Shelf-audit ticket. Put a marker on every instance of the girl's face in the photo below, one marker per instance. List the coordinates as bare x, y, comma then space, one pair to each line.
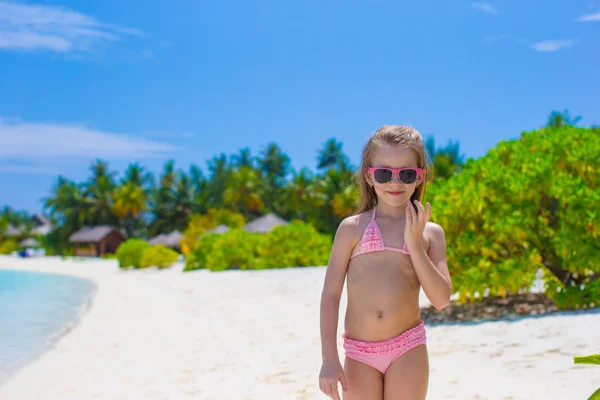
394, 193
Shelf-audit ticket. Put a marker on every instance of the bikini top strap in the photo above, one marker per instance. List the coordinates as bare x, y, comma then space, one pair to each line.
373, 216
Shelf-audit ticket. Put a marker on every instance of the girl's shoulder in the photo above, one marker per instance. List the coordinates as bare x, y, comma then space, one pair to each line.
434, 234
354, 225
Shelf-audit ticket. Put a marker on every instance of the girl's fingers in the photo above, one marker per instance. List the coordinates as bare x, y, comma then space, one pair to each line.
428, 214
413, 214
421, 210
334, 391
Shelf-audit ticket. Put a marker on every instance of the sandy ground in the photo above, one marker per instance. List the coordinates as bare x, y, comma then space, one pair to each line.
153, 334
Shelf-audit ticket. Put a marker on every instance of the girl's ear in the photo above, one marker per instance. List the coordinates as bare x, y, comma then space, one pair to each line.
422, 176
368, 177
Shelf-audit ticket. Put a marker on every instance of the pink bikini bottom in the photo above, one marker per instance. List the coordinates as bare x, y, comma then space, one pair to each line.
381, 354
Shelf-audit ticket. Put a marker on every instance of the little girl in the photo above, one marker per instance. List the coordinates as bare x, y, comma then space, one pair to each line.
387, 252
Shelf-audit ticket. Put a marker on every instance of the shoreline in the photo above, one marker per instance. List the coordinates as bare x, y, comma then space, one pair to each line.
163, 334
54, 336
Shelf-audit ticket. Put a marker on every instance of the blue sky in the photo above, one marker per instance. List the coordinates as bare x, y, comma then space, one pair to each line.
147, 81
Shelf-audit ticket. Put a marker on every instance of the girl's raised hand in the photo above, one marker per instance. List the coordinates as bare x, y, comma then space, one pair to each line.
415, 224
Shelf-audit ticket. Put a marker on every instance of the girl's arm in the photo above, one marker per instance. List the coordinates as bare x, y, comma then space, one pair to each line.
343, 243
431, 267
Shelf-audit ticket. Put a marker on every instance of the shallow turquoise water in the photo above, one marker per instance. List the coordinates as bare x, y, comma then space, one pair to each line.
35, 310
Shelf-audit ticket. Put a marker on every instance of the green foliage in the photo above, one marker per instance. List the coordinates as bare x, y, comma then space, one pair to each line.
7, 246
158, 256
292, 245
559, 119
594, 359
528, 204
200, 223
296, 244
235, 249
130, 253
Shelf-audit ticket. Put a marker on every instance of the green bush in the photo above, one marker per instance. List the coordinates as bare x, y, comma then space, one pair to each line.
294, 245
7, 246
528, 204
197, 258
593, 359
130, 253
235, 249
158, 256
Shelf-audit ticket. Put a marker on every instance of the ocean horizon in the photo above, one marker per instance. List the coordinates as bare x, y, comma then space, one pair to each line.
36, 309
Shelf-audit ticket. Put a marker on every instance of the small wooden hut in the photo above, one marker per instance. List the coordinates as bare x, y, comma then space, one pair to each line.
265, 223
94, 241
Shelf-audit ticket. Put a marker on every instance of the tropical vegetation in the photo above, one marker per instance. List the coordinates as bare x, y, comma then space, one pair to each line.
528, 206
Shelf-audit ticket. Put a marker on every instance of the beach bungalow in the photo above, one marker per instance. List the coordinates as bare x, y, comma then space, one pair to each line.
94, 241
42, 225
219, 229
265, 223
167, 239
12, 230
30, 243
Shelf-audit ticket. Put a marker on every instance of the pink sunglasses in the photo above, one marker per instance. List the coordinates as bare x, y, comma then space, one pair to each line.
404, 175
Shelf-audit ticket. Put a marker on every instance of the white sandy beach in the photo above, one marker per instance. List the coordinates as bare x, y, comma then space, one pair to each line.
153, 334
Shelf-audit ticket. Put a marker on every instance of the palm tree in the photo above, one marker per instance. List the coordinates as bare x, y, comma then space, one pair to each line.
243, 159
299, 193
344, 203
68, 205
98, 191
162, 201
558, 119
274, 165
129, 200
447, 160
219, 174
182, 200
243, 192
331, 155
138, 176
201, 187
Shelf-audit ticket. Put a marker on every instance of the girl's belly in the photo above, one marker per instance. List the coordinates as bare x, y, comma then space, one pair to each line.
383, 298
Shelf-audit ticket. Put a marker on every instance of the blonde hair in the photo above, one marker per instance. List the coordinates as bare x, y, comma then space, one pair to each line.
391, 135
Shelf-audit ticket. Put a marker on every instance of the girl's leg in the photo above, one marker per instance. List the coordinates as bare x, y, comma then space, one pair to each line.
407, 377
364, 381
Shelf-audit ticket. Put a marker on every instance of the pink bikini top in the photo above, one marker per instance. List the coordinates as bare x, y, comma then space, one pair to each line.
372, 240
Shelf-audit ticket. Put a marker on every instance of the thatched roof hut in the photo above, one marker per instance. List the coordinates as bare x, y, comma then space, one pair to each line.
30, 243
39, 220
11, 230
219, 229
265, 223
167, 239
97, 240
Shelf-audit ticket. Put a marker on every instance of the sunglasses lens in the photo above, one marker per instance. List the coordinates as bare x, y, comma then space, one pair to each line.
408, 175
382, 175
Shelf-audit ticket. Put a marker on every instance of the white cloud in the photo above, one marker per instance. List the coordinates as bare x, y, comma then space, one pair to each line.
25, 146
589, 17
485, 7
58, 29
32, 169
550, 46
